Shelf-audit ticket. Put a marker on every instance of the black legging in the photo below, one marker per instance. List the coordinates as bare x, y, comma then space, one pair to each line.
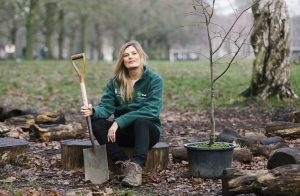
141, 134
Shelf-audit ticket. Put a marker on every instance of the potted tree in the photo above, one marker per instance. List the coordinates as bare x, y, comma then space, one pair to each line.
208, 159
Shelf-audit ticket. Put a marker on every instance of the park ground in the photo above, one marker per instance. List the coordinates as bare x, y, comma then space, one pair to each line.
49, 86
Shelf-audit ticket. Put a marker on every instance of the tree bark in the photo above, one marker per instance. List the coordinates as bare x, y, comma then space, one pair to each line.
284, 180
61, 34
270, 40
30, 28
49, 26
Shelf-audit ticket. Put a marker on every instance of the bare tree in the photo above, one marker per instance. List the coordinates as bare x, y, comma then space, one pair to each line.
217, 36
270, 40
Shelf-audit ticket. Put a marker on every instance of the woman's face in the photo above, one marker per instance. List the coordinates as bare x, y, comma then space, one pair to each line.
131, 58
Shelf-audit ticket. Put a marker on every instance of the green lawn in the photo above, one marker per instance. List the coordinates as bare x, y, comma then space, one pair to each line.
54, 86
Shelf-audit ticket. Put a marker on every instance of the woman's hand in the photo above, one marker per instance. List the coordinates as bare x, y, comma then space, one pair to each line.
111, 136
87, 110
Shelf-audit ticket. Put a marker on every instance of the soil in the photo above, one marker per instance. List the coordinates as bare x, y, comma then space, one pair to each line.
39, 171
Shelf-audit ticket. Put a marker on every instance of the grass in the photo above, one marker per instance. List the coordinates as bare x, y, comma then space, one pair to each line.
54, 86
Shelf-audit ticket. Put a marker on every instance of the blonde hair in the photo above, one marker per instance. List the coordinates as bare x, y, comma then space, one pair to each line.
121, 73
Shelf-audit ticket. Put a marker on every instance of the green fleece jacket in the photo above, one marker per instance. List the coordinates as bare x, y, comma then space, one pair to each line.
147, 102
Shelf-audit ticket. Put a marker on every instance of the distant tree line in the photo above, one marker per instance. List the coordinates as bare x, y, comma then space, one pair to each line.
59, 28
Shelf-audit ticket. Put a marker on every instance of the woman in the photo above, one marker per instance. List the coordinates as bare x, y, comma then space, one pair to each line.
134, 97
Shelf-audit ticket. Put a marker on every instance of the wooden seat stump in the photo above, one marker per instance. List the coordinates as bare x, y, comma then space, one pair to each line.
72, 155
12, 147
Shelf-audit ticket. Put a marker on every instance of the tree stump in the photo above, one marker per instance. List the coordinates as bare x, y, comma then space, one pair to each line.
11, 148
16, 146
72, 155
284, 156
157, 159
283, 180
283, 129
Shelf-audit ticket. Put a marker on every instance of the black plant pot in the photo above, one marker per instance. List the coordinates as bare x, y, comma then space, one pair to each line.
209, 162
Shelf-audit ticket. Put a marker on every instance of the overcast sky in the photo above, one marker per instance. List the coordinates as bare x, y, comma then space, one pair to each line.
224, 6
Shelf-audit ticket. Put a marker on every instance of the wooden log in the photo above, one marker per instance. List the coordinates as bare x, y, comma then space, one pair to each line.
72, 155
50, 118
179, 153
283, 129
230, 135
157, 158
283, 180
271, 140
13, 145
24, 121
243, 155
10, 148
284, 156
57, 131
265, 150
287, 115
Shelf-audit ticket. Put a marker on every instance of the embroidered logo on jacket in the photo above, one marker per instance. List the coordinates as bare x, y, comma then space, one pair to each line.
140, 94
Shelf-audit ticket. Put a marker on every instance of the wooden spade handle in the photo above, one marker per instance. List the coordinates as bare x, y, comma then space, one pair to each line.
77, 56
88, 119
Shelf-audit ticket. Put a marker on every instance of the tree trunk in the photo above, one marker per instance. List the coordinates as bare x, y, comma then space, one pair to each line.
72, 40
30, 29
83, 27
49, 25
98, 42
284, 180
270, 40
61, 34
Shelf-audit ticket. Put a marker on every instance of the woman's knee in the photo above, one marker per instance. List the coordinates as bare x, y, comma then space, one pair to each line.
141, 122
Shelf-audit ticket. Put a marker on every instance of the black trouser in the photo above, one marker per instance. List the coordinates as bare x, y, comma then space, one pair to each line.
142, 134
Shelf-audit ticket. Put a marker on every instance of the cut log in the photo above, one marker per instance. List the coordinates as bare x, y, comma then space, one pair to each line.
287, 115
271, 140
284, 156
230, 136
50, 118
57, 132
179, 154
283, 180
157, 158
283, 129
6, 113
243, 155
265, 150
10, 148
72, 155
24, 121
13, 145
239, 154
